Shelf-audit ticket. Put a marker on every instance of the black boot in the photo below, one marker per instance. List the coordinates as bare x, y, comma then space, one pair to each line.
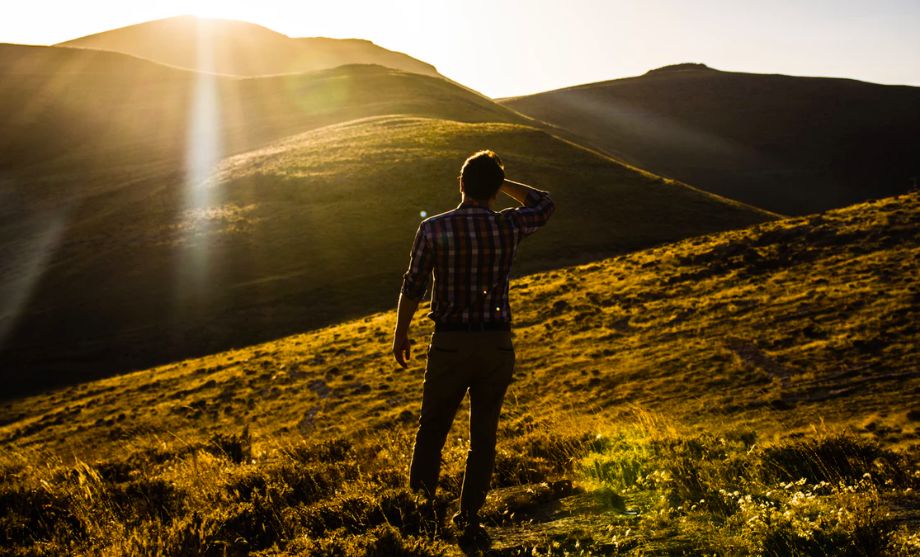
470, 532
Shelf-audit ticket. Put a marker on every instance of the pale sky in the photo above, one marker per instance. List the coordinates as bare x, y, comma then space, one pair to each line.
513, 47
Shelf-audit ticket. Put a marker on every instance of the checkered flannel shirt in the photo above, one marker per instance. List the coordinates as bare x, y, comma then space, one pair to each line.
470, 251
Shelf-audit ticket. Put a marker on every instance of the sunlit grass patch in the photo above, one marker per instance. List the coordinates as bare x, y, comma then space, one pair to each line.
648, 482
830, 494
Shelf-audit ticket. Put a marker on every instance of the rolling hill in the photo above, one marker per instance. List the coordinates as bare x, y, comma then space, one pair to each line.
753, 390
302, 233
152, 213
242, 49
74, 108
97, 145
793, 145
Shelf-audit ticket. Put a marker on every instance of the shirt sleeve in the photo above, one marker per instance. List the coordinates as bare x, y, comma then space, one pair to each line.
421, 260
538, 208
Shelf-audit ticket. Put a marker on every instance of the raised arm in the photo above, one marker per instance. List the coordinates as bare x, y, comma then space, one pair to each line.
536, 210
517, 190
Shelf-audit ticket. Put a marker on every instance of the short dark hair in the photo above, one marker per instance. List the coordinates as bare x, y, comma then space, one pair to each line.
482, 175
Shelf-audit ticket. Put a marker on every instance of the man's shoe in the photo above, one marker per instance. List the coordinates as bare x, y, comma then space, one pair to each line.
470, 532
429, 513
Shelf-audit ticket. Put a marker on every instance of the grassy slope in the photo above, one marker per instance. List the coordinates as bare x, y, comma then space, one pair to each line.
789, 144
86, 124
84, 170
316, 228
87, 111
96, 198
240, 48
332, 52
719, 370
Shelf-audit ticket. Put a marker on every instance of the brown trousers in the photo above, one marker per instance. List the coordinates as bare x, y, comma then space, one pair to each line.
478, 362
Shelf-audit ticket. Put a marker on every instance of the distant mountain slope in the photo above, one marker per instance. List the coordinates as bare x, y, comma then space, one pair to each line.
241, 48
76, 111
57, 102
789, 144
305, 232
332, 52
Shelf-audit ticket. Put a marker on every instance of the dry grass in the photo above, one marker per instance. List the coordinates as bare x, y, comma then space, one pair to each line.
747, 392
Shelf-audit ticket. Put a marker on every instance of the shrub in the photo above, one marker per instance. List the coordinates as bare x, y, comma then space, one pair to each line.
147, 498
238, 448
380, 541
37, 515
327, 451
228, 530
831, 459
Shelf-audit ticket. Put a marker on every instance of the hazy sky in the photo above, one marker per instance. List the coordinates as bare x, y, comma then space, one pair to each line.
510, 47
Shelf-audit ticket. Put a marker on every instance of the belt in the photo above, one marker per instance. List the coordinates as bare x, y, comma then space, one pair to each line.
472, 327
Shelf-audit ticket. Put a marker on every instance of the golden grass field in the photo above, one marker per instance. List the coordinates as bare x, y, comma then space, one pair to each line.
746, 392
201, 256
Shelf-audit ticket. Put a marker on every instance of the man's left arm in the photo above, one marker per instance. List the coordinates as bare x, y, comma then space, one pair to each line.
415, 282
405, 311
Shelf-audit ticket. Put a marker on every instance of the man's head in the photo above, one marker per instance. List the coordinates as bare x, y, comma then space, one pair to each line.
482, 175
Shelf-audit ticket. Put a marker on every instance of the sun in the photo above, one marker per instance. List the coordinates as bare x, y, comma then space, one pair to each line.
207, 9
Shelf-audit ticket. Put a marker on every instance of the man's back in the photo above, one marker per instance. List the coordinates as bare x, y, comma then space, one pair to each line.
470, 251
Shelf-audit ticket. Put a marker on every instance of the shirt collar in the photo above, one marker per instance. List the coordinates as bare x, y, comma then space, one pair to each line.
470, 203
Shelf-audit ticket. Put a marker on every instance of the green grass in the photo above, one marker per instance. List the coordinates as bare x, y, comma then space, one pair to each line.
732, 493
747, 392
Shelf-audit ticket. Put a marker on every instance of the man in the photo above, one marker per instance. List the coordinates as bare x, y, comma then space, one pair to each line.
469, 250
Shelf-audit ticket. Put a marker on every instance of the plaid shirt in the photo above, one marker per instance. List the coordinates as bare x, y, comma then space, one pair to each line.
470, 250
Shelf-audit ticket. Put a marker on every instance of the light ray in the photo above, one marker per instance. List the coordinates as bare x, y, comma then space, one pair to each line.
25, 266
203, 154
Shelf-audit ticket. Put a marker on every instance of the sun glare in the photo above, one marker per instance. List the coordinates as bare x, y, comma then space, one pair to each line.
208, 9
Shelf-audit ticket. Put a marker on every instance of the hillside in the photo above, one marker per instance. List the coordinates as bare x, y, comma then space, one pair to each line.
302, 233
101, 151
85, 111
793, 145
240, 48
752, 391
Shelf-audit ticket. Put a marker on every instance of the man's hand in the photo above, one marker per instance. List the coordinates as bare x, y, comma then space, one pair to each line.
407, 307
401, 348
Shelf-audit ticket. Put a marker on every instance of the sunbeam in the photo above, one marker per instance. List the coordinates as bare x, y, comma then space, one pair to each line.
203, 148
21, 273
203, 153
